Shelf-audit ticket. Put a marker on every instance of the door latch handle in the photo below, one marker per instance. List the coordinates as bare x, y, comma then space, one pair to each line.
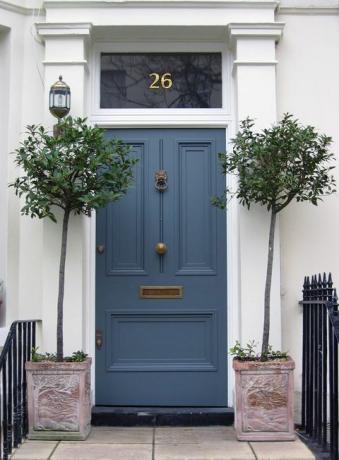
101, 248
98, 339
161, 248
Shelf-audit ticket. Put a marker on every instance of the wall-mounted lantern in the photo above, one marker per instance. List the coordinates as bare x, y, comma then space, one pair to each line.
59, 100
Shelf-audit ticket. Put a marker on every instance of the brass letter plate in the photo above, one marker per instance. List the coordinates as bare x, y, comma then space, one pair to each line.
161, 292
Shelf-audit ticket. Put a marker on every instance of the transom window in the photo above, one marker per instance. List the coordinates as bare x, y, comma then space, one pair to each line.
154, 80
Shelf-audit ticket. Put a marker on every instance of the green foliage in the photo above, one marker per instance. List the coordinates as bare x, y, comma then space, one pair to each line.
276, 165
78, 170
77, 356
248, 352
273, 354
38, 357
244, 353
273, 167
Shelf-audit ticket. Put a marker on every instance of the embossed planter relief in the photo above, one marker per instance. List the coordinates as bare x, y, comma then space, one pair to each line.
264, 400
59, 405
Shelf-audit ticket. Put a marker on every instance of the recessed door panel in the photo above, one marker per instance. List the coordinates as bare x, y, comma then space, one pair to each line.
161, 283
125, 224
161, 341
196, 236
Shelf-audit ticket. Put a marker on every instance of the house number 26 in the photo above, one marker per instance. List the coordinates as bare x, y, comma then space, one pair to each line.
161, 81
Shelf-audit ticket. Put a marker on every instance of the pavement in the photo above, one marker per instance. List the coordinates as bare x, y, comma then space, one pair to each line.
163, 443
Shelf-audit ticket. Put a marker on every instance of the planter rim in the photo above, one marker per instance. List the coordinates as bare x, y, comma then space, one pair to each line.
50, 365
275, 364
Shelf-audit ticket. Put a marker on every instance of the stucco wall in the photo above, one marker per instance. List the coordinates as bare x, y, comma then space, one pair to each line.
307, 79
21, 99
307, 84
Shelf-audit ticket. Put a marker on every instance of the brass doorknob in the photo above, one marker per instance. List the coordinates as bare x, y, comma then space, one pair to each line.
160, 248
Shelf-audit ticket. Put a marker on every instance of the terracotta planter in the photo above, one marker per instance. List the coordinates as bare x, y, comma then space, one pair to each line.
59, 402
264, 400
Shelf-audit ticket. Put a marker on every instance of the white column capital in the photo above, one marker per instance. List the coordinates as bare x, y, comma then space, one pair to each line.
255, 30
65, 43
254, 44
47, 30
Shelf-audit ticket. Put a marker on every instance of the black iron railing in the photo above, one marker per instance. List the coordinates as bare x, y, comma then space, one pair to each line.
13, 403
320, 365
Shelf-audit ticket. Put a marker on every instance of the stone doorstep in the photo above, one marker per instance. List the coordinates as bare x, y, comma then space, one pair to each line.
164, 443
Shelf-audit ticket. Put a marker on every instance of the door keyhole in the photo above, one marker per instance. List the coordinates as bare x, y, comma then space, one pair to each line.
101, 248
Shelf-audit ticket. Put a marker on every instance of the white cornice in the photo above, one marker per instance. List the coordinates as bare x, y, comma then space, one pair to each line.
64, 29
271, 30
19, 9
330, 11
267, 4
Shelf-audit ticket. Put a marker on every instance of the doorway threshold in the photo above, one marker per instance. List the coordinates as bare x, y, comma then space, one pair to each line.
162, 416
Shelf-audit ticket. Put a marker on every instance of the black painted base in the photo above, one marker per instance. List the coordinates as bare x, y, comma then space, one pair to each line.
319, 452
162, 416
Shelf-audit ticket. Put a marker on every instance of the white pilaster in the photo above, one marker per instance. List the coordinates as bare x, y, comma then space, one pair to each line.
255, 85
66, 55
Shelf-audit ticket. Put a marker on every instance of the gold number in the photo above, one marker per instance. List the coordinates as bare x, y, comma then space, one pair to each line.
156, 78
165, 80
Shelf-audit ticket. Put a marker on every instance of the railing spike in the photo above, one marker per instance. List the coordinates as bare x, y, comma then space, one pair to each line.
330, 282
314, 281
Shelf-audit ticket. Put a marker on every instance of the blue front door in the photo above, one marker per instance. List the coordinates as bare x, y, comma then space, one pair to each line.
162, 317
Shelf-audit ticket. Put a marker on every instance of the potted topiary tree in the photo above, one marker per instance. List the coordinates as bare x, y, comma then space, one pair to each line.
273, 167
76, 171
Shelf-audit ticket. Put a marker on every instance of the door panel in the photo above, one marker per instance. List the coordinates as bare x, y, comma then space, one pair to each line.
196, 175
162, 351
187, 341
125, 249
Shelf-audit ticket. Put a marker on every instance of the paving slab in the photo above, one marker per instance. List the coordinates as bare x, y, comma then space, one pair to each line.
225, 450
82, 451
34, 450
170, 443
294, 450
120, 435
196, 435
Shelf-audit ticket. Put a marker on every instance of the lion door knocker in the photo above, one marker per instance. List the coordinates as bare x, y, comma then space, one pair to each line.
161, 180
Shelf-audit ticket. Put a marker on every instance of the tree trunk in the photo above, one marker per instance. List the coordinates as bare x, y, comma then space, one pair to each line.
266, 332
60, 327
